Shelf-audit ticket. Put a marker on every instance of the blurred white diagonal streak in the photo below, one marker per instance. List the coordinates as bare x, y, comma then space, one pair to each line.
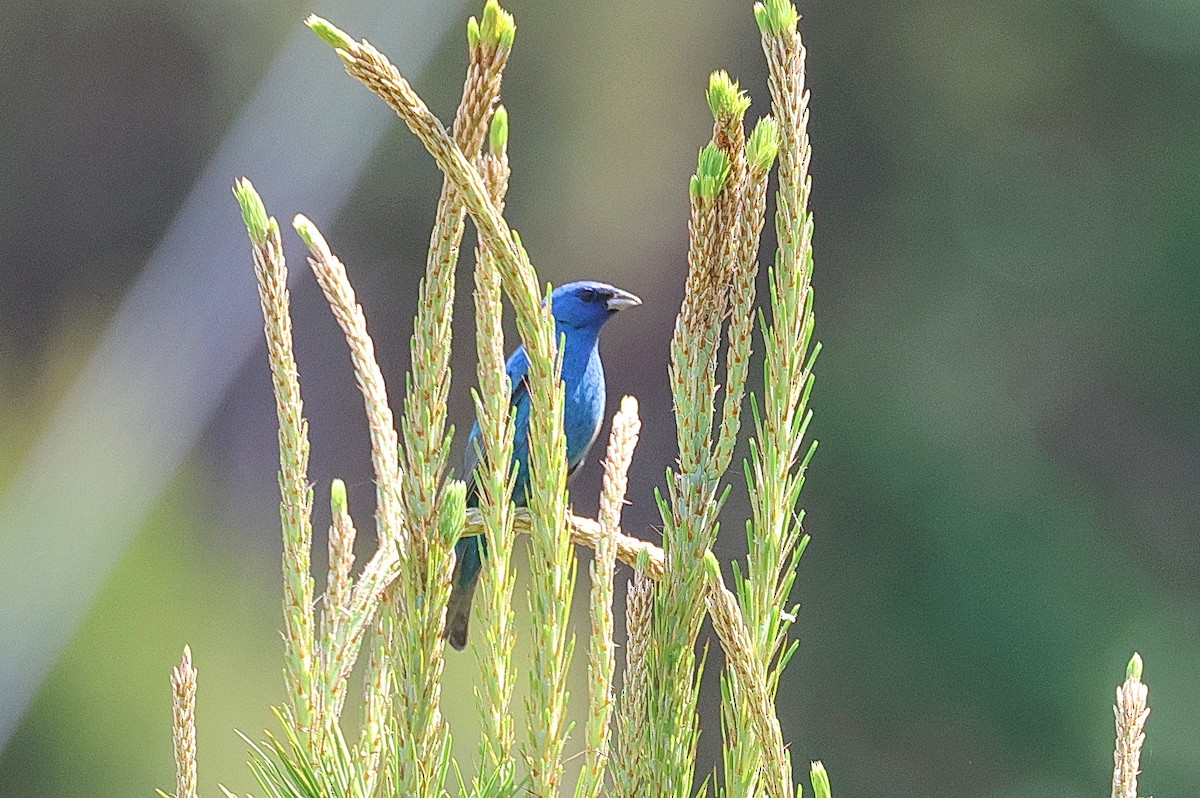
179, 337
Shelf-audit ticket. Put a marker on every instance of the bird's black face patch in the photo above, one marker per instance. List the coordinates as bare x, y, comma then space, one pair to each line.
588, 304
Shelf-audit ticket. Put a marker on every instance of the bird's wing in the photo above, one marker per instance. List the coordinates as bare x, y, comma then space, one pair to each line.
517, 369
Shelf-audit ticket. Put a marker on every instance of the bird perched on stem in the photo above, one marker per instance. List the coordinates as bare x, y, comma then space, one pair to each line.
580, 311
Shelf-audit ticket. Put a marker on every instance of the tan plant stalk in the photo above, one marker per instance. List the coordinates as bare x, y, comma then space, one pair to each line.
749, 222
408, 645
424, 422
689, 519
366, 64
338, 585
778, 459
338, 593
343, 643
339, 293
296, 493
751, 684
422, 592
743, 755
1131, 711
631, 771
602, 660
183, 706
377, 705
493, 486
392, 536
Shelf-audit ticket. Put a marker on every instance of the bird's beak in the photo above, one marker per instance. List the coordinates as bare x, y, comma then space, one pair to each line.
621, 300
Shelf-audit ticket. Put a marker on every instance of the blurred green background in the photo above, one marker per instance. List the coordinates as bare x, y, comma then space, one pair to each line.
1005, 501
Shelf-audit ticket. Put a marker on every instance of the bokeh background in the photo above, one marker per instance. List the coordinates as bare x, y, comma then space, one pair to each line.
1005, 502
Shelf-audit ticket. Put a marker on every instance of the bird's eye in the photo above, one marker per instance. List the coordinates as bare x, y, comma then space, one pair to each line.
588, 295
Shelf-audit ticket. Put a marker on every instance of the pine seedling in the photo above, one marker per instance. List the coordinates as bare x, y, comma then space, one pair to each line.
392, 556
743, 752
728, 104
552, 575
779, 458
426, 445
396, 606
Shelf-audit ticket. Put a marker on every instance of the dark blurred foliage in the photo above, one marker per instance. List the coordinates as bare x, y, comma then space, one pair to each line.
1005, 499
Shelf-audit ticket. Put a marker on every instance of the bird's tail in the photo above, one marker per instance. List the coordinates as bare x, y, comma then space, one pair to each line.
465, 579
458, 613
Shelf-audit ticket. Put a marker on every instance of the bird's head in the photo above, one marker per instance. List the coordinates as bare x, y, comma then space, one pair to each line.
589, 304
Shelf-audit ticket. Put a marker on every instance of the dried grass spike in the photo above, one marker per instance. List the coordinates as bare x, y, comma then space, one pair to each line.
183, 706
1131, 711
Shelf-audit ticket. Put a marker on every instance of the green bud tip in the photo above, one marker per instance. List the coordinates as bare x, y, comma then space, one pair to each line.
498, 133
643, 560
254, 213
714, 567
333, 35
496, 29
1134, 669
712, 170
453, 512
776, 17
820, 781
725, 98
337, 497
763, 146
311, 235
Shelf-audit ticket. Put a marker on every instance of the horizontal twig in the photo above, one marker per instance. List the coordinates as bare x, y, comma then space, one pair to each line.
635, 552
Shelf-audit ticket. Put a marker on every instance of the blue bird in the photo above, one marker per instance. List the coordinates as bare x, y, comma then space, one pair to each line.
580, 310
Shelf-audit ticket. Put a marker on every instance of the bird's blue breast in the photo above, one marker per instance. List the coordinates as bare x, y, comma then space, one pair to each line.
583, 390
583, 406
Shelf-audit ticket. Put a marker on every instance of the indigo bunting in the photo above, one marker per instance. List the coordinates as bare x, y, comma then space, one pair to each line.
580, 310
